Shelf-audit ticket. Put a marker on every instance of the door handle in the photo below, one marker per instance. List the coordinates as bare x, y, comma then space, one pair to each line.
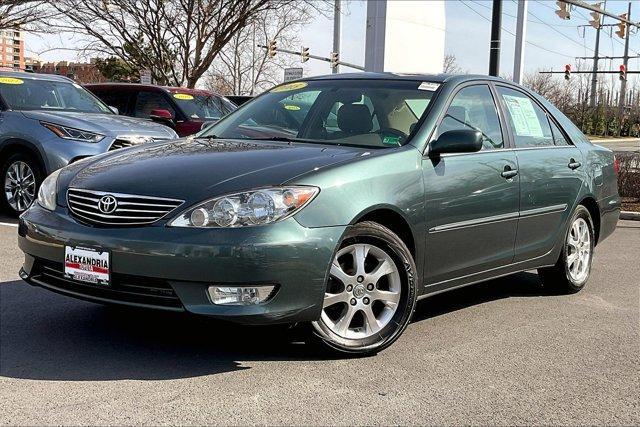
509, 173
573, 164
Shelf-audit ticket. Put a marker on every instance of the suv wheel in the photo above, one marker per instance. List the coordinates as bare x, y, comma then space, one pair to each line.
371, 291
21, 179
572, 270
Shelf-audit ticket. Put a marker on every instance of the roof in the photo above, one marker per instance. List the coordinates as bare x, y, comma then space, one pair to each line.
171, 89
35, 76
436, 78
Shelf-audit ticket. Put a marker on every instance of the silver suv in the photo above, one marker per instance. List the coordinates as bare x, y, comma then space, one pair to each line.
49, 121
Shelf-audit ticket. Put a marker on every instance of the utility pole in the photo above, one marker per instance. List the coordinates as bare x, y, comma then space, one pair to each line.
623, 83
594, 77
494, 51
336, 30
521, 32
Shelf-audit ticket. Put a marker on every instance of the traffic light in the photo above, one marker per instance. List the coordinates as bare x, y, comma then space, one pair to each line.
595, 22
272, 49
304, 53
623, 72
622, 27
567, 71
564, 11
334, 59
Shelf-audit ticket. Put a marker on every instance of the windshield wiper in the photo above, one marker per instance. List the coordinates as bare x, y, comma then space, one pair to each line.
278, 139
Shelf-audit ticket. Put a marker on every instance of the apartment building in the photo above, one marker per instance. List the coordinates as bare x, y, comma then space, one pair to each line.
11, 49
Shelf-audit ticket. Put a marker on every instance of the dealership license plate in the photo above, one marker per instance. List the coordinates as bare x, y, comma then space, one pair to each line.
87, 265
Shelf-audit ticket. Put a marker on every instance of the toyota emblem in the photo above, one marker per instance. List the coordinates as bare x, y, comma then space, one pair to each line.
107, 204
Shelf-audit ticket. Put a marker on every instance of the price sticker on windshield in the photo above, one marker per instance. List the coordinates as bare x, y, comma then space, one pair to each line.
183, 96
11, 81
429, 86
289, 86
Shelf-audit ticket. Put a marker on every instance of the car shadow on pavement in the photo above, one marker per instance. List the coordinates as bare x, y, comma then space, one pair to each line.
46, 336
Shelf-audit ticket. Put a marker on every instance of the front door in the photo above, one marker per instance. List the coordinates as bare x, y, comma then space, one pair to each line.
550, 170
471, 198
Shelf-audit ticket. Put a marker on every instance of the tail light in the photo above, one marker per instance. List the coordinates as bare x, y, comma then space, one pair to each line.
616, 165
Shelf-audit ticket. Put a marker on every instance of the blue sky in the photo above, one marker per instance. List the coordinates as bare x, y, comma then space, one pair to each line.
553, 42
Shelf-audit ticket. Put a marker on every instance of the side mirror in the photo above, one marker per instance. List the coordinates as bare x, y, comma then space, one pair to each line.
456, 141
114, 109
162, 116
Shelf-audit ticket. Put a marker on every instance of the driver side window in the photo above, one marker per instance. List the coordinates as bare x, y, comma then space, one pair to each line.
474, 108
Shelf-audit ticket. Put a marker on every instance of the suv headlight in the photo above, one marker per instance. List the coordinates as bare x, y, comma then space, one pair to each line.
48, 192
65, 132
249, 208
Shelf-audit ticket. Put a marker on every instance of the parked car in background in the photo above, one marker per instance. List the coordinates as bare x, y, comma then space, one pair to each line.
49, 121
239, 99
185, 110
390, 189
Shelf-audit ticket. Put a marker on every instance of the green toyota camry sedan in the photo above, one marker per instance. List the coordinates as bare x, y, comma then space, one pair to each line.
333, 201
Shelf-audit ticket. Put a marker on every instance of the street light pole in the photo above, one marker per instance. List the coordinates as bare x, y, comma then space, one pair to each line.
494, 52
521, 32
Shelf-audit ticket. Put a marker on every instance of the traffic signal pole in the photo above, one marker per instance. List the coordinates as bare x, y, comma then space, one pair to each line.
336, 31
623, 82
594, 76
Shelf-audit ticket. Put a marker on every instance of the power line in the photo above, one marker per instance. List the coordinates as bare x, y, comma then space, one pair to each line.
559, 32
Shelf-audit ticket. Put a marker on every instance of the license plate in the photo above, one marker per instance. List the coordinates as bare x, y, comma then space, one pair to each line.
87, 265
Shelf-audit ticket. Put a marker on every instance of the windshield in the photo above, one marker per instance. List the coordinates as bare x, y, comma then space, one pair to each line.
31, 94
203, 106
370, 113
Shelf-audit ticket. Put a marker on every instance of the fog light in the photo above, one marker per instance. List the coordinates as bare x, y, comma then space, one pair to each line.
236, 295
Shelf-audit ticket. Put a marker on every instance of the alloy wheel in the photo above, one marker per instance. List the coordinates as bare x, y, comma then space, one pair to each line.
363, 292
20, 186
578, 251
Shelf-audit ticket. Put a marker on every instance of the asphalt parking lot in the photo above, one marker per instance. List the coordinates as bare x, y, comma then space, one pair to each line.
500, 352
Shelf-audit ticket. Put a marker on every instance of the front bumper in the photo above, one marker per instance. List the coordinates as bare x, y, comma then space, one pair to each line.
175, 266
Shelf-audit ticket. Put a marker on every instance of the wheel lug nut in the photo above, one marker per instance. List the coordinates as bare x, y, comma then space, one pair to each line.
353, 301
360, 279
349, 288
370, 286
365, 300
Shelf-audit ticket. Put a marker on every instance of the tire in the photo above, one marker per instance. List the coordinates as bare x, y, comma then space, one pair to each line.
369, 304
571, 272
27, 169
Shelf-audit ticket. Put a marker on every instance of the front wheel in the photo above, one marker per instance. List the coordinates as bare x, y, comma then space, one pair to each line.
572, 270
21, 179
370, 293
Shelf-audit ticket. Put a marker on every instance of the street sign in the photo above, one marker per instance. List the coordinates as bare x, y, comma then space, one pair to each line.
145, 77
292, 74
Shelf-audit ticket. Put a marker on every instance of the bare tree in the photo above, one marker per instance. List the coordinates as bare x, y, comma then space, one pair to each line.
450, 64
15, 14
241, 67
177, 40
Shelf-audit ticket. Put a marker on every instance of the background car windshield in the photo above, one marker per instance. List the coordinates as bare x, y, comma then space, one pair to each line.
30, 94
202, 106
371, 113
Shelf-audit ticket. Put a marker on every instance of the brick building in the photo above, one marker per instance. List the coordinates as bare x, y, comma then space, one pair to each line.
82, 72
11, 49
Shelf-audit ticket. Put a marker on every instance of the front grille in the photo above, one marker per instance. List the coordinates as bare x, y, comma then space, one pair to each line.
129, 209
123, 288
129, 141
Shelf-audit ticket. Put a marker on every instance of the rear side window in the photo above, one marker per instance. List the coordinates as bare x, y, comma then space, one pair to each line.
558, 137
529, 123
474, 108
115, 98
149, 101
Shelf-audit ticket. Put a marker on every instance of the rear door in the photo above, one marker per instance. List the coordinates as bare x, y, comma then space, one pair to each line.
550, 170
471, 198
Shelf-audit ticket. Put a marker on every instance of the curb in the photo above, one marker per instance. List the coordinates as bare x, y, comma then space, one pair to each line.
633, 216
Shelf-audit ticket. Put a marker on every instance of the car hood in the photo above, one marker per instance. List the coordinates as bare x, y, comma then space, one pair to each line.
195, 169
105, 124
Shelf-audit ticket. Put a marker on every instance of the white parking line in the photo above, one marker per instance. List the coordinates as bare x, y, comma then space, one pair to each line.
8, 224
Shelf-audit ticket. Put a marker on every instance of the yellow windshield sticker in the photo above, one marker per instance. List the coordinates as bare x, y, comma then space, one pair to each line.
183, 96
10, 81
289, 86
292, 107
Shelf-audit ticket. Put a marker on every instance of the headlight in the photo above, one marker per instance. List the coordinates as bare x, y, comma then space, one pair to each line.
73, 134
257, 207
48, 191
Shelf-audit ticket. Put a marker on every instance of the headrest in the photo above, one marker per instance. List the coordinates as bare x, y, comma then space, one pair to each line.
355, 118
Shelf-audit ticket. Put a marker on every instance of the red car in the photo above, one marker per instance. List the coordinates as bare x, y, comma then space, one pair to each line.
185, 110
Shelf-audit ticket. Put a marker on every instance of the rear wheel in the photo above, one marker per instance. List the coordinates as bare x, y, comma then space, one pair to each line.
572, 270
371, 292
21, 179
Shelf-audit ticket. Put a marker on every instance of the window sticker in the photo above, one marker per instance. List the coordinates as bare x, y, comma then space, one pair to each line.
391, 140
290, 86
429, 86
10, 81
183, 96
292, 107
525, 119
